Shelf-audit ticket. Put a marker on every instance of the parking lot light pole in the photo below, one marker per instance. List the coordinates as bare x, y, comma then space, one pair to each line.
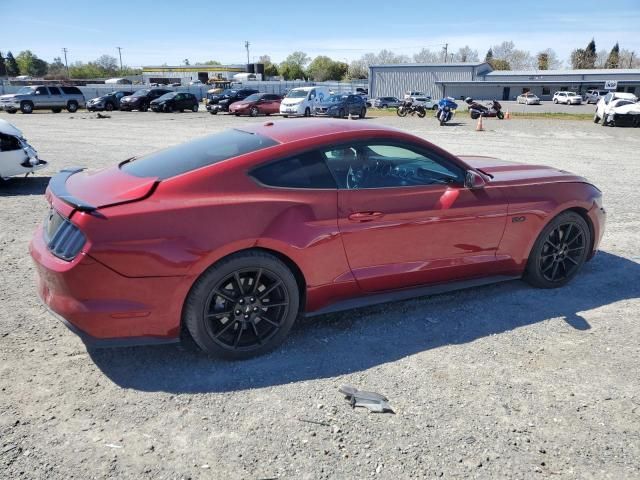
65, 61
120, 54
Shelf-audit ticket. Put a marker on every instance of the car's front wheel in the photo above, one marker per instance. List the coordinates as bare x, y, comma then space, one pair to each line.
242, 306
26, 107
254, 111
559, 252
596, 118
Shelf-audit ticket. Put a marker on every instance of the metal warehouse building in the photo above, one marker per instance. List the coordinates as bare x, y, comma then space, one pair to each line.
170, 74
478, 80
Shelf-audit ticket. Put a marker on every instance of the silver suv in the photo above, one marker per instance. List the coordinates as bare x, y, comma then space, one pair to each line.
40, 97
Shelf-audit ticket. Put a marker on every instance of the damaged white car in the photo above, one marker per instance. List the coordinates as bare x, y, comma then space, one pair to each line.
622, 113
17, 157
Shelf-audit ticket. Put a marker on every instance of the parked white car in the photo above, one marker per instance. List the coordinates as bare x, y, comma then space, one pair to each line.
528, 99
426, 101
414, 93
605, 105
622, 112
569, 98
17, 157
303, 100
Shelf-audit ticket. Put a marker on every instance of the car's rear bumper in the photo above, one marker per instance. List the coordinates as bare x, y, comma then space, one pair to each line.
104, 307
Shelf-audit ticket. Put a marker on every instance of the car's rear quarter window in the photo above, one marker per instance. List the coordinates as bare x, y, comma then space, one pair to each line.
196, 154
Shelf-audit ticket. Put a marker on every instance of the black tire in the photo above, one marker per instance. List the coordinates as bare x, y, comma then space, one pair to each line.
500, 115
341, 113
435, 107
363, 113
384, 105
194, 108
213, 112
109, 107
474, 115
422, 113
555, 100
56, 110
285, 116
596, 118
144, 107
307, 112
26, 107
566, 237
168, 108
229, 322
401, 111
253, 112
72, 106
11, 112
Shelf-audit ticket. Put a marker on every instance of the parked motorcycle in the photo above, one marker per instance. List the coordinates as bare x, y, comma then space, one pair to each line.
491, 109
446, 110
409, 108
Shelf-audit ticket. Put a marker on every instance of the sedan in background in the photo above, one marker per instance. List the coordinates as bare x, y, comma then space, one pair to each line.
568, 98
257, 104
528, 99
233, 236
342, 105
387, 102
172, 101
141, 99
108, 102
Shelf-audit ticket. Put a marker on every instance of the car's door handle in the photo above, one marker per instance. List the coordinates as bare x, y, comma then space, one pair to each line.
365, 216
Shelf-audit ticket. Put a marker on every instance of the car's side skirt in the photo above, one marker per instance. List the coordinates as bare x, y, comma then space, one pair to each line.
406, 294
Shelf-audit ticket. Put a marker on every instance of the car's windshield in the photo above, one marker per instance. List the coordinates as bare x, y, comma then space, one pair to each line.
297, 93
26, 90
167, 96
228, 92
141, 93
335, 98
253, 98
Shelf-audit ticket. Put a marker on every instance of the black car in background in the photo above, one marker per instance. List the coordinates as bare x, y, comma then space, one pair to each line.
341, 105
141, 99
108, 102
172, 101
220, 103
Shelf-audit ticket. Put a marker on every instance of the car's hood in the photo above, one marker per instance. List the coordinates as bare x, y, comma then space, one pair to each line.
106, 187
628, 109
331, 104
99, 99
503, 171
292, 101
9, 96
9, 129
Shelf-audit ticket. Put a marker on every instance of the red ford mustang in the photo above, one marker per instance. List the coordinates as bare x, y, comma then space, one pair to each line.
234, 235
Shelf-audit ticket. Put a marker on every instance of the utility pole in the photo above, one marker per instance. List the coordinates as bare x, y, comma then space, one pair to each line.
446, 47
246, 45
631, 59
120, 54
65, 61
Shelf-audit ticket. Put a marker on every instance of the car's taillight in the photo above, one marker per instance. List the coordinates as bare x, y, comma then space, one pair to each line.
63, 238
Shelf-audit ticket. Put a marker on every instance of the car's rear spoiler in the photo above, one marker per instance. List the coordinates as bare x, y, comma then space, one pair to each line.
58, 186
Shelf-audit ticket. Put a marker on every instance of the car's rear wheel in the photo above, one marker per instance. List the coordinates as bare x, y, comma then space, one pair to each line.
242, 306
109, 106
363, 113
26, 107
307, 112
559, 252
72, 106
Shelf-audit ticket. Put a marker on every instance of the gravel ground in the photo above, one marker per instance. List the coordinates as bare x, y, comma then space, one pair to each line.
503, 381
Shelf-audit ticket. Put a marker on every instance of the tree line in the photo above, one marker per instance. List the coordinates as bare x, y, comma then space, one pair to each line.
28, 63
298, 65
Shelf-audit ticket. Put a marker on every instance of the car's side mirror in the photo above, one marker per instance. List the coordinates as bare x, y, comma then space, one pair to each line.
474, 181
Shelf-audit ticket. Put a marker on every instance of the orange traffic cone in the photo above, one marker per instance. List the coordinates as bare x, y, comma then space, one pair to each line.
479, 127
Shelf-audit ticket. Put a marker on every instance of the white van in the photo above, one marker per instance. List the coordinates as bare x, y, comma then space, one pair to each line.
302, 100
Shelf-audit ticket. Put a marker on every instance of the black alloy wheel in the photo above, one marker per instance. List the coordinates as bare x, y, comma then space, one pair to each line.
243, 306
559, 252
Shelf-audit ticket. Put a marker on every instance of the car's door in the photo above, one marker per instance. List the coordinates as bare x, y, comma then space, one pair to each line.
41, 98
57, 101
407, 219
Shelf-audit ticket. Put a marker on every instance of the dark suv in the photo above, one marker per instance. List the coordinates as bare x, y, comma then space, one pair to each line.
141, 99
108, 102
222, 102
175, 101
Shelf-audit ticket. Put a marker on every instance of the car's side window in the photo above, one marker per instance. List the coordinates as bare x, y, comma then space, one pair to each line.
41, 91
54, 90
387, 165
306, 170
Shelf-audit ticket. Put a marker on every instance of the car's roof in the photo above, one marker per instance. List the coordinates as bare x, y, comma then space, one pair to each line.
285, 131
